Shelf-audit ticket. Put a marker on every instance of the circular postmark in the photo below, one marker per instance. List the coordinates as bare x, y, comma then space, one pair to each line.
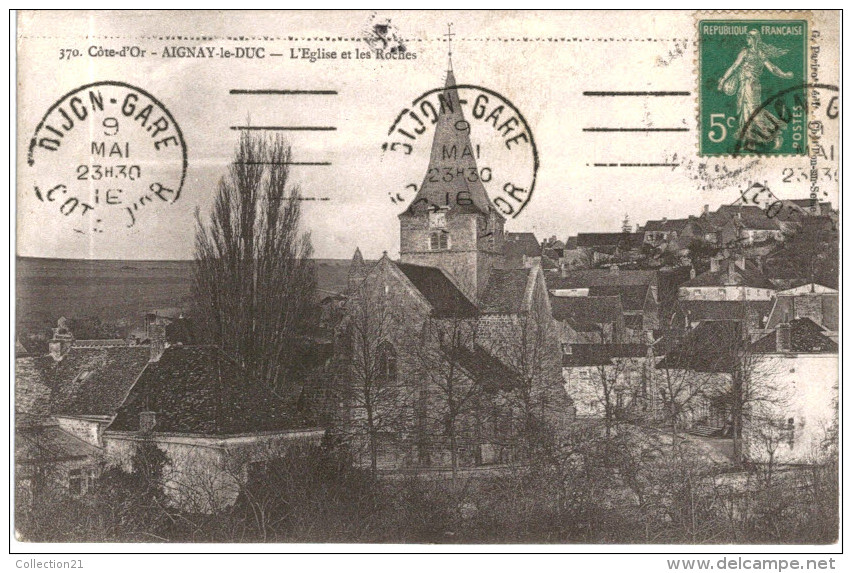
463, 137
785, 114
105, 156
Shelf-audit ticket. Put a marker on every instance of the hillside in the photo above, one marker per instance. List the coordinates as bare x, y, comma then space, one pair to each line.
46, 289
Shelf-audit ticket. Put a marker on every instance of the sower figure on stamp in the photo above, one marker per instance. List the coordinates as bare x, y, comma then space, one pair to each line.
746, 83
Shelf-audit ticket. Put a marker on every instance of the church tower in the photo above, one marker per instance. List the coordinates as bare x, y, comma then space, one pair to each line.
452, 224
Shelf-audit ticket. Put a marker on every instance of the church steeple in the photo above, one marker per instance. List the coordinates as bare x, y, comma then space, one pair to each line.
454, 157
450, 223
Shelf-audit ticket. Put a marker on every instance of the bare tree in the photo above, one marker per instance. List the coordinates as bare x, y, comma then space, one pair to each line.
254, 281
680, 389
370, 383
531, 352
448, 396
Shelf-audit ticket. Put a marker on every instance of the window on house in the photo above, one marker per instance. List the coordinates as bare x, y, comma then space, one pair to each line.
386, 363
566, 348
76, 482
790, 432
439, 241
584, 375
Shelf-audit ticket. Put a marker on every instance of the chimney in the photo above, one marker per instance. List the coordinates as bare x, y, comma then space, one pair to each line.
62, 340
783, 340
691, 272
157, 339
147, 421
706, 210
714, 265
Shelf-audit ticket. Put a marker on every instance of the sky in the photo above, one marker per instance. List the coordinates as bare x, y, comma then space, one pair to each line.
541, 63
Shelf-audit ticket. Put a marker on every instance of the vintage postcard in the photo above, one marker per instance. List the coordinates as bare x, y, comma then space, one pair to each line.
470, 277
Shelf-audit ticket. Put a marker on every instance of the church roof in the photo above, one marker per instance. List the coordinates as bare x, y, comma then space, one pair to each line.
505, 291
459, 194
438, 290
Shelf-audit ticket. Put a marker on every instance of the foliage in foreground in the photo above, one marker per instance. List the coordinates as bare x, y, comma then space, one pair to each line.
628, 489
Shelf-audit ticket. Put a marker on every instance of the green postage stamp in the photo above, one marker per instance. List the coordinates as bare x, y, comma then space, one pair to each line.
752, 92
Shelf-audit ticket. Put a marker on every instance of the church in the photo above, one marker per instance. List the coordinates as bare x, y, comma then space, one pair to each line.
450, 356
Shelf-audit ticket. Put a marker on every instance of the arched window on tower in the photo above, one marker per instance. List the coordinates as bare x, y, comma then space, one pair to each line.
439, 241
386, 364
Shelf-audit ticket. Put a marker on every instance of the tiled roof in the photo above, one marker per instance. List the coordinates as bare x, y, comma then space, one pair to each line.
585, 313
444, 297
805, 336
505, 291
517, 245
486, 369
87, 381
198, 390
42, 444
601, 354
601, 277
632, 296
712, 346
752, 311
731, 275
667, 225
749, 217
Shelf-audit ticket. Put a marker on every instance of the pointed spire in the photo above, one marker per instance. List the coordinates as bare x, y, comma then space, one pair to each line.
452, 155
357, 271
357, 265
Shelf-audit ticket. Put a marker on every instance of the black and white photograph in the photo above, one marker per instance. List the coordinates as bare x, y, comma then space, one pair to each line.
422, 280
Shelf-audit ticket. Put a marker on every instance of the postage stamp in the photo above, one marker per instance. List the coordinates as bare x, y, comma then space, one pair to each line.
743, 63
403, 276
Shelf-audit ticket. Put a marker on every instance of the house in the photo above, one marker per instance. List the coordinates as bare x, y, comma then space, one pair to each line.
587, 319
728, 280
213, 423
658, 232
799, 375
449, 320
814, 301
790, 378
605, 246
688, 313
521, 249
77, 410
747, 225
637, 290
621, 374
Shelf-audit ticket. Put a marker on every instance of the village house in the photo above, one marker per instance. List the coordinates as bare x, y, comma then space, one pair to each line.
814, 301
798, 372
728, 280
212, 422
622, 374
77, 412
663, 231
637, 291
521, 249
454, 321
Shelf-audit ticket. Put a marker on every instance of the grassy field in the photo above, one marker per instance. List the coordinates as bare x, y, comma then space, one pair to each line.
46, 289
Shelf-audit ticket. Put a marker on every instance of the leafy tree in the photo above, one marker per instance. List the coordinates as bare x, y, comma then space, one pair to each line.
254, 281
